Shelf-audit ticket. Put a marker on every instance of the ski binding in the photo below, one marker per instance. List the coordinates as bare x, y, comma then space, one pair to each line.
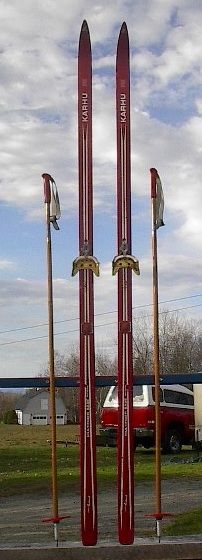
86, 261
124, 260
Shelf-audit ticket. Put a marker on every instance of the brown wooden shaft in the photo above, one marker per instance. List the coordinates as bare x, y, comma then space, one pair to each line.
51, 368
156, 362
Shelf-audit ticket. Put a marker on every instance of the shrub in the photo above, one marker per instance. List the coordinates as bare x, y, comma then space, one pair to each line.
10, 417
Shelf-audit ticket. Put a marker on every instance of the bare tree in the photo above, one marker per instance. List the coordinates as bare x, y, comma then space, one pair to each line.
142, 346
180, 352
67, 365
180, 345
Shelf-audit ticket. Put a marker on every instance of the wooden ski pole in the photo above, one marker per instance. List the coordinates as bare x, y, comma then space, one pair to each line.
156, 355
47, 199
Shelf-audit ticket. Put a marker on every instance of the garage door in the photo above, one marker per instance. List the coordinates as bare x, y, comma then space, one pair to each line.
60, 419
39, 420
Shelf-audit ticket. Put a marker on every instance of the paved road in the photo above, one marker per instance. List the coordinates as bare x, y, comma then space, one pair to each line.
20, 517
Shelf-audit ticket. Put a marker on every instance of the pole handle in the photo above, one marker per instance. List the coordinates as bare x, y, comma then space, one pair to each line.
154, 175
47, 190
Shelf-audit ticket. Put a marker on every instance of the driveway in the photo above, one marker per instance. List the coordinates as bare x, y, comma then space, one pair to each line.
21, 516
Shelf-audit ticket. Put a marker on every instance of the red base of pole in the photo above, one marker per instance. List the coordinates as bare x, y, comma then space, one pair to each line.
159, 516
55, 519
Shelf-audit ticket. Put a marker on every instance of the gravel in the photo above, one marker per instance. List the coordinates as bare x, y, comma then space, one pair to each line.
21, 516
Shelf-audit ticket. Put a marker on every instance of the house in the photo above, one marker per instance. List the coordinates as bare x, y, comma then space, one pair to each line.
33, 409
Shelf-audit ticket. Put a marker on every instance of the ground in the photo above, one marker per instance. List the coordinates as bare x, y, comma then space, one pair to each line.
21, 516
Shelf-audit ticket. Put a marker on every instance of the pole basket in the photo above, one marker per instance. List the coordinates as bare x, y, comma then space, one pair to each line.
55, 519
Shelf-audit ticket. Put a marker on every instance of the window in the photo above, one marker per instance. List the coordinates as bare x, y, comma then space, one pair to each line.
138, 393
114, 395
39, 417
153, 394
176, 397
44, 404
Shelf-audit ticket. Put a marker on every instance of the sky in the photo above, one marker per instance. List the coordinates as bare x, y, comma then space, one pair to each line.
38, 131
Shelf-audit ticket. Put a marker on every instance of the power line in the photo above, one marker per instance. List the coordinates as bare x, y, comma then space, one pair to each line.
96, 326
96, 315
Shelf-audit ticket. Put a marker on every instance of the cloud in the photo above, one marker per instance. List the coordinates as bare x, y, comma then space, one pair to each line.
39, 129
6, 264
24, 303
38, 133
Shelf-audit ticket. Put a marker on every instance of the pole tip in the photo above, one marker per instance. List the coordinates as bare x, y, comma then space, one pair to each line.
153, 171
47, 176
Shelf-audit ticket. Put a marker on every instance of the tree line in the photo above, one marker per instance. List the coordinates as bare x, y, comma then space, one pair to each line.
180, 348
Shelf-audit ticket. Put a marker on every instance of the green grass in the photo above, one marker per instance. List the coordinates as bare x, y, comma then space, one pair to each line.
31, 435
185, 524
25, 461
25, 468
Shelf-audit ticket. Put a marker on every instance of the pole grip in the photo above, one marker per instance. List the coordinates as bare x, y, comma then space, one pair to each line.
47, 190
154, 175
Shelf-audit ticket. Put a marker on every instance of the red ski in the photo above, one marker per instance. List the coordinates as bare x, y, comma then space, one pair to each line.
86, 264
123, 264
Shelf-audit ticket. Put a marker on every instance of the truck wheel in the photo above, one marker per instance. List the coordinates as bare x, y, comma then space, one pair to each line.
173, 442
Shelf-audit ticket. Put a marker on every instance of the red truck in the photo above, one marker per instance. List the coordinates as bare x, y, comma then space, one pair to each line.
177, 416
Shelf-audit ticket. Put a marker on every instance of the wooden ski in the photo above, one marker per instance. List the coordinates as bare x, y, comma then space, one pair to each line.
123, 264
86, 265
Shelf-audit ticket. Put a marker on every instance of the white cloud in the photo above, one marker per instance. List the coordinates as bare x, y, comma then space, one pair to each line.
39, 122
6, 264
38, 128
199, 105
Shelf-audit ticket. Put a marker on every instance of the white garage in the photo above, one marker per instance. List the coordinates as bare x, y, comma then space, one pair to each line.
60, 419
39, 420
33, 409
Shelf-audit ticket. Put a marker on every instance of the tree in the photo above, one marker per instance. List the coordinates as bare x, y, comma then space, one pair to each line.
180, 342
7, 402
10, 417
68, 366
180, 345
142, 346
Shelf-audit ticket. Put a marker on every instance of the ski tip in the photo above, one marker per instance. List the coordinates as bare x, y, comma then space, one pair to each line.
124, 28
84, 39
123, 31
123, 37
84, 27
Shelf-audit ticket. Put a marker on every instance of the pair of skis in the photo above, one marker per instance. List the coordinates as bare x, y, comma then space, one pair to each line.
87, 265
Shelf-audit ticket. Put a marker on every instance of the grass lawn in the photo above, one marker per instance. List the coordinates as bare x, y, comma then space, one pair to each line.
25, 460
185, 524
25, 467
11, 435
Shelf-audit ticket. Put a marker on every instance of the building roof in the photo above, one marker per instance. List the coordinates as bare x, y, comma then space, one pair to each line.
24, 399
